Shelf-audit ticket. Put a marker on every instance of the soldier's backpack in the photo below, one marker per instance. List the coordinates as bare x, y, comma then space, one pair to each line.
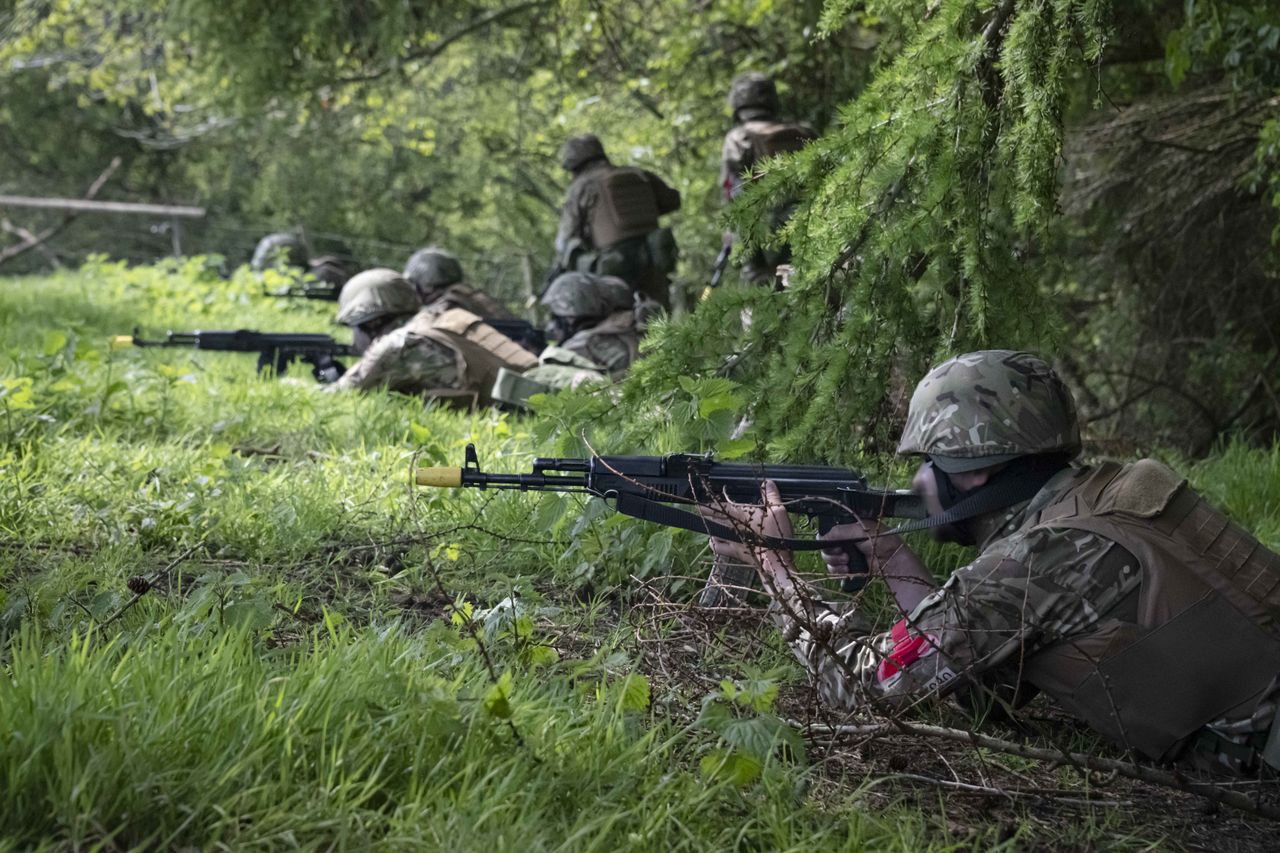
770, 138
627, 207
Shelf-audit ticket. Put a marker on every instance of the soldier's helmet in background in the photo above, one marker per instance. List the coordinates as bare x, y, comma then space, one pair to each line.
279, 248
984, 408
755, 91
431, 269
330, 269
583, 296
376, 293
577, 151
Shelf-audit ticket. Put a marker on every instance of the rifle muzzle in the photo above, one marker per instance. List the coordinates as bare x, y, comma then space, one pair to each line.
121, 341
440, 478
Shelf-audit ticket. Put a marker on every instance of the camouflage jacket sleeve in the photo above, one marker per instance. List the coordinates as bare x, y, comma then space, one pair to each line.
610, 351
1019, 596
402, 361
575, 213
735, 158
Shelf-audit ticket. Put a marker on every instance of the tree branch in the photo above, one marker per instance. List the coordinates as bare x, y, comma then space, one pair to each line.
1213, 793
31, 241
434, 50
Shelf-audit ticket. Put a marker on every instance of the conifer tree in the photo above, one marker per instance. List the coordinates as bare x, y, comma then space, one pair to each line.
915, 212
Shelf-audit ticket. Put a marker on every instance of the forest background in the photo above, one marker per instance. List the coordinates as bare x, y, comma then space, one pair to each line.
1095, 180
332, 659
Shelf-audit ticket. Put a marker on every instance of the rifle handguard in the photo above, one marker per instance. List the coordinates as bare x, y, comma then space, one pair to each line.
440, 478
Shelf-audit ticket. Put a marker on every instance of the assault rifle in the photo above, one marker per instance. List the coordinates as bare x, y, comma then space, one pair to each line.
276, 350
644, 486
522, 332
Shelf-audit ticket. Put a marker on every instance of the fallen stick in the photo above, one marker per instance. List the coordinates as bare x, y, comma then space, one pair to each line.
1167, 779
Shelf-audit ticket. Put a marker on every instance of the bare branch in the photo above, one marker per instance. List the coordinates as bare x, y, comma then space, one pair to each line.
1168, 779
11, 252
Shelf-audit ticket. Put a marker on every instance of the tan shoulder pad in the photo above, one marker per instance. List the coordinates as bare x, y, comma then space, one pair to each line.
1144, 489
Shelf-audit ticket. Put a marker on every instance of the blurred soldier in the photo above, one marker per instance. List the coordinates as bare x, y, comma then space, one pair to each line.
437, 276
609, 221
414, 350
281, 249
286, 253
330, 270
596, 322
1114, 589
758, 134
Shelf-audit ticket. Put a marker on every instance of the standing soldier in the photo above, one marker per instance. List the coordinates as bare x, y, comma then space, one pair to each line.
609, 221
451, 355
437, 276
758, 134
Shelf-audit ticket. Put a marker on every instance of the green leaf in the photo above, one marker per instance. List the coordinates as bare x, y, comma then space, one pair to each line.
707, 406
54, 341
497, 699
735, 448
754, 735
539, 655
715, 715
730, 766
419, 433
635, 692
462, 613
16, 393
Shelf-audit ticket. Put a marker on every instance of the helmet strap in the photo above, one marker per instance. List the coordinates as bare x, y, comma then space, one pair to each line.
1018, 481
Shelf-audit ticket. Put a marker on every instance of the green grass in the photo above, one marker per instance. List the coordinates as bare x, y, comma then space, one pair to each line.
299, 675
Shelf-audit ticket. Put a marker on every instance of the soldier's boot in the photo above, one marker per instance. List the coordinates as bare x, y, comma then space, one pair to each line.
727, 584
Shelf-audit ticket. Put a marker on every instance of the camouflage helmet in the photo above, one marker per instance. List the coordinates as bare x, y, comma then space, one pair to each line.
376, 293
583, 296
432, 268
753, 89
276, 247
988, 407
577, 151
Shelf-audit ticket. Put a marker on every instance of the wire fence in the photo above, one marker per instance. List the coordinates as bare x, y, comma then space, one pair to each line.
508, 275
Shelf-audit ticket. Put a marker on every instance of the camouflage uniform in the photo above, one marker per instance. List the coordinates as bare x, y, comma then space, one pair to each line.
1116, 590
602, 313
404, 360
1027, 588
605, 321
637, 260
560, 369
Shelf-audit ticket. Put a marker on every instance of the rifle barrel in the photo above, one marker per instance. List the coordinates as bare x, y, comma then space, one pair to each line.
453, 478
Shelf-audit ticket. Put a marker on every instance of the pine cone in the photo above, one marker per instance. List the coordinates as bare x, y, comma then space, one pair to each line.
138, 585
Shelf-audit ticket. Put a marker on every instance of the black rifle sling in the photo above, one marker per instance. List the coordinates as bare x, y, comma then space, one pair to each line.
1014, 488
